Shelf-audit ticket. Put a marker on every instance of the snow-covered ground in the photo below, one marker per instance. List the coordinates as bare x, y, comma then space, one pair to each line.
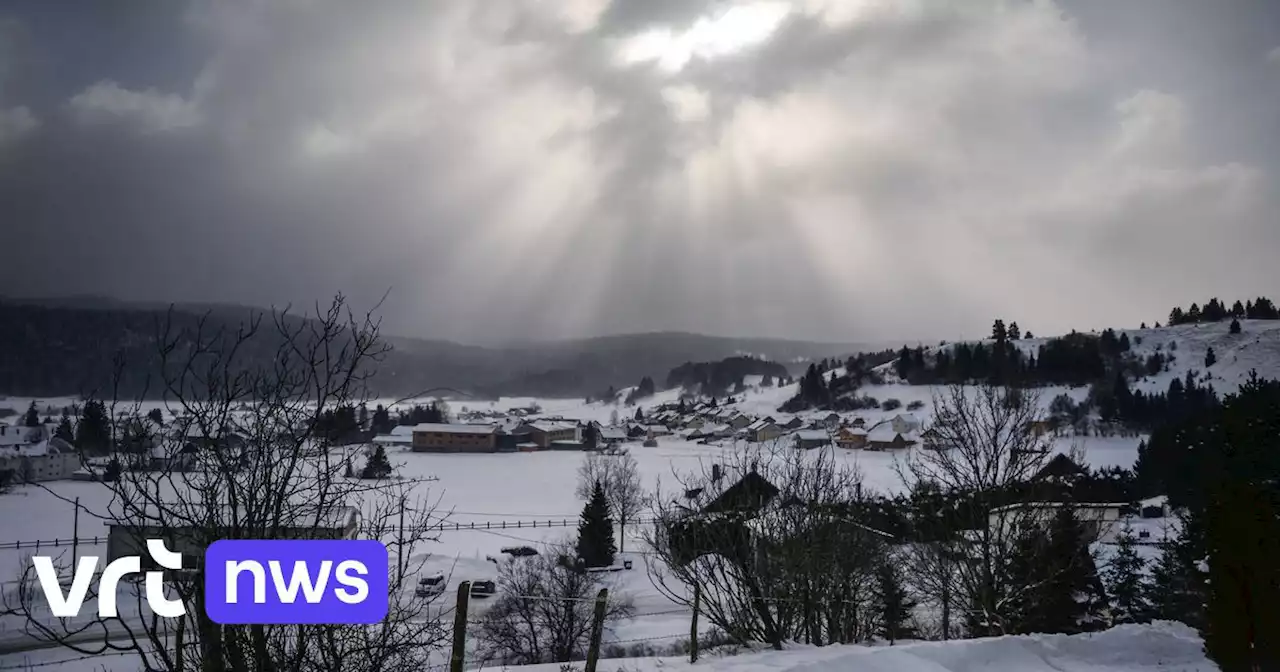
1162, 647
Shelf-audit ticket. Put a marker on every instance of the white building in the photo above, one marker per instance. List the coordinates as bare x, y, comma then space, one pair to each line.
1099, 520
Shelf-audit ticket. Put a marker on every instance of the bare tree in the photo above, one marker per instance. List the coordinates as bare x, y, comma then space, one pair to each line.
619, 476
775, 545
242, 460
544, 611
987, 455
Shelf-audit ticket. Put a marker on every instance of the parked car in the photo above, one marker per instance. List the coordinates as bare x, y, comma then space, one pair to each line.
430, 586
483, 589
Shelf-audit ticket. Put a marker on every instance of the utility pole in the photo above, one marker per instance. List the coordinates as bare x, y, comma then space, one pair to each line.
75, 534
400, 547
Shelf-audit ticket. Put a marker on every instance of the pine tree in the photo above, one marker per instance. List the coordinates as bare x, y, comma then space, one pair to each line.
639, 415
596, 546
1235, 326
1123, 343
1143, 326
1210, 358
1014, 332
1242, 630
64, 430
1193, 313
93, 432
32, 416
381, 423
1176, 589
894, 604
378, 466
1176, 317
590, 437
156, 416
998, 332
1028, 335
1125, 581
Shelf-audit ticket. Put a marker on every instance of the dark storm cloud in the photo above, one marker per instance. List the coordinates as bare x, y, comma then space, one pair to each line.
520, 168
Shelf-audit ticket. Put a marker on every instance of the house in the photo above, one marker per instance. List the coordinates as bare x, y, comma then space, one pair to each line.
762, 430
793, 424
1042, 427
831, 420
851, 437
885, 437
858, 422
610, 436
905, 423
808, 439
1060, 469
655, 430
51, 460
693, 422
429, 437
401, 436
739, 421
544, 432
1099, 520
932, 439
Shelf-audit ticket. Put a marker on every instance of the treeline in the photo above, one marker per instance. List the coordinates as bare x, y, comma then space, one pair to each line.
1074, 359
723, 377
839, 390
1260, 308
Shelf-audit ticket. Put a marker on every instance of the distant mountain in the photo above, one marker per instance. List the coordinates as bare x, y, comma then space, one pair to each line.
65, 347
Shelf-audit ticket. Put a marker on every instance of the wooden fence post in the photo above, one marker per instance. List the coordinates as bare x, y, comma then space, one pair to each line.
460, 628
693, 629
597, 630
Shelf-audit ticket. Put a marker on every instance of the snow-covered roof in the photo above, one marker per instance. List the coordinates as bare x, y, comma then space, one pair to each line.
441, 428
393, 439
402, 430
883, 434
813, 435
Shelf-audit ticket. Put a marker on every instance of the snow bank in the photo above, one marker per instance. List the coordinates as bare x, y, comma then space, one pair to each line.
1168, 647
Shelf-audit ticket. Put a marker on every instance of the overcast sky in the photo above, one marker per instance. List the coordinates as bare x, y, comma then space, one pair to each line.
826, 169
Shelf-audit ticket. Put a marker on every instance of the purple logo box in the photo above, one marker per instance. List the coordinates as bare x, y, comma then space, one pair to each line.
281, 582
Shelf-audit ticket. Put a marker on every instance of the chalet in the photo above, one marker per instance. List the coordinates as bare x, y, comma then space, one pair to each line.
610, 436
1059, 469
905, 423
831, 420
1042, 427
401, 437
851, 437
693, 422
762, 430
793, 424
887, 438
808, 439
50, 460
656, 430
453, 438
858, 422
739, 421
1100, 520
932, 439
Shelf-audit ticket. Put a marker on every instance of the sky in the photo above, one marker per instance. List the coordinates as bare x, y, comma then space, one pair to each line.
841, 170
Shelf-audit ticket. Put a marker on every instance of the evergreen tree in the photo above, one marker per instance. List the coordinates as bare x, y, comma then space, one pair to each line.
639, 415
64, 430
1237, 309
998, 332
1193, 314
1210, 358
1143, 326
349, 472
894, 604
596, 547
1249, 312
1057, 588
156, 416
381, 423
1235, 326
1028, 335
1176, 589
1176, 317
1125, 581
1123, 343
1242, 630
32, 417
363, 418
590, 437
93, 431
1014, 332
378, 466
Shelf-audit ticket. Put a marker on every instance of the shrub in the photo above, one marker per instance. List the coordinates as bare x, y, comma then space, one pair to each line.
891, 405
